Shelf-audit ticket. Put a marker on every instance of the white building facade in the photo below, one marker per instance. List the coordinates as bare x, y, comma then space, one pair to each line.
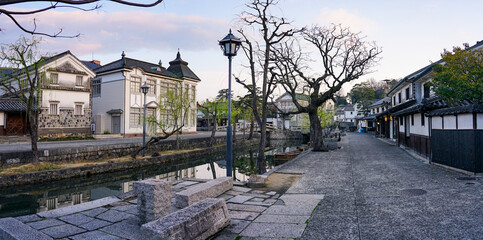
118, 101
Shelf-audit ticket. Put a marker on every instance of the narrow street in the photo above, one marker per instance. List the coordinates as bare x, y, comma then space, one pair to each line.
373, 190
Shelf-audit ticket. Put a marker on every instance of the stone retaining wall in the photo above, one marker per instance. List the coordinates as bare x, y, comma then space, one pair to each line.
55, 175
104, 151
287, 134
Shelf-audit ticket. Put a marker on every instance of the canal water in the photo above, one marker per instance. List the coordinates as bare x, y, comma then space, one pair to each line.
24, 200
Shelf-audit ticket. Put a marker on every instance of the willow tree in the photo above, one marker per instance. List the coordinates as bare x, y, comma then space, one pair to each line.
169, 117
20, 78
344, 57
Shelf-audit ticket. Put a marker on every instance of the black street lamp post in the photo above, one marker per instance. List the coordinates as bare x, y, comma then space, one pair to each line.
144, 89
230, 45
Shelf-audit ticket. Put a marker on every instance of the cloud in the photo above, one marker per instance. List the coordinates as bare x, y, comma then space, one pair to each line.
347, 19
115, 31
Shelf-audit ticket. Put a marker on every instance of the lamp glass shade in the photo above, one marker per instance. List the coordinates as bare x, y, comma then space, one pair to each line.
144, 88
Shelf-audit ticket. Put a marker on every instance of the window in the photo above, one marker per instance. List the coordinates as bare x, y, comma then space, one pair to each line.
135, 84
78, 80
54, 78
164, 88
399, 97
135, 117
152, 86
193, 117
53, 109
401, 122
412, 119
96, 87
422, 119
426, 90
192, 93
394, 100
407, 93
78, 109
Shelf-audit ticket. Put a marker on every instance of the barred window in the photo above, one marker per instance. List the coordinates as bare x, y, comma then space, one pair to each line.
135, 117
193, 117
135, 84
78, 109
164, 88
150, 112
152, 86
54, 78
53, 109
193, 93
96, 87
78, 80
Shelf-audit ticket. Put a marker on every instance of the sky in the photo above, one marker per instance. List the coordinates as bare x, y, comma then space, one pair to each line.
412, 34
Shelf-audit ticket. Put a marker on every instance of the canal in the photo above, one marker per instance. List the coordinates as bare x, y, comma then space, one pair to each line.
29, 199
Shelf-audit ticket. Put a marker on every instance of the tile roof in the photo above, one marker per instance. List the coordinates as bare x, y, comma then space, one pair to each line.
180, 68
421, 72
132, 63
91, 65
380, 102
471, 108
12, 105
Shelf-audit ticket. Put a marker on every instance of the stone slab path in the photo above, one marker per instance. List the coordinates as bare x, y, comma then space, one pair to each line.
366, 190
373, 190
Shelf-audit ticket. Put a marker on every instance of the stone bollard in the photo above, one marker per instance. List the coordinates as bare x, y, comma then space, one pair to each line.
154, 199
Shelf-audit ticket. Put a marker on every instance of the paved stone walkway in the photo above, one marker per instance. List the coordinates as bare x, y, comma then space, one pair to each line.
373, 190
366, 190
116, 218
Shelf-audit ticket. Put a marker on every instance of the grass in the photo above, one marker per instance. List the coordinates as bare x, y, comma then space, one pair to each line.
45, 166
64, 139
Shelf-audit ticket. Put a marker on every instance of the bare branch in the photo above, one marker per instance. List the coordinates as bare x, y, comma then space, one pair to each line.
73, 4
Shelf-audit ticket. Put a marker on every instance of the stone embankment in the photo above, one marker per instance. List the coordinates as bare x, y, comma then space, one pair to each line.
101, 151
55, 175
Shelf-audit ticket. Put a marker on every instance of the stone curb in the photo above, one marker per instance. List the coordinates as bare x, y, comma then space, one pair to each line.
258, 180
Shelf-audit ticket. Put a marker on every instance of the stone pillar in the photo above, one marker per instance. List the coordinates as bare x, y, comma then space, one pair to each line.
154, 199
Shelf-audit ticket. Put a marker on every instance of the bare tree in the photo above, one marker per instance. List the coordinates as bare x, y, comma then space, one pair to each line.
345, 57
272, 30
84, 5
20, 78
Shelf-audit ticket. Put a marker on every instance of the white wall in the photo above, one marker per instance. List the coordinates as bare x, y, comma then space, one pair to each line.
479, 121
2, 119
417, 128
401, 127
465, 121
449, 122
111, 98
66, 99
436, 122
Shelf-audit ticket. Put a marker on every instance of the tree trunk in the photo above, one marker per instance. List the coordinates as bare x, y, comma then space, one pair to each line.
213, 132
252, 123
234, 133
316, 138
261, 148
34, 135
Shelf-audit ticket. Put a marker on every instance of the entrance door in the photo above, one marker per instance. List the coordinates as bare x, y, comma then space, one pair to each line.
15, 124
116, 124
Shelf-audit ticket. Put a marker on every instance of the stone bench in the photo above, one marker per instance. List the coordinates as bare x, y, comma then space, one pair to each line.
13, 229
154, 199
211, 189
198, 221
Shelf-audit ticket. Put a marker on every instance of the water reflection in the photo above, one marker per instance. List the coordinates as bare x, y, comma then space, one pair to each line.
30, 199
